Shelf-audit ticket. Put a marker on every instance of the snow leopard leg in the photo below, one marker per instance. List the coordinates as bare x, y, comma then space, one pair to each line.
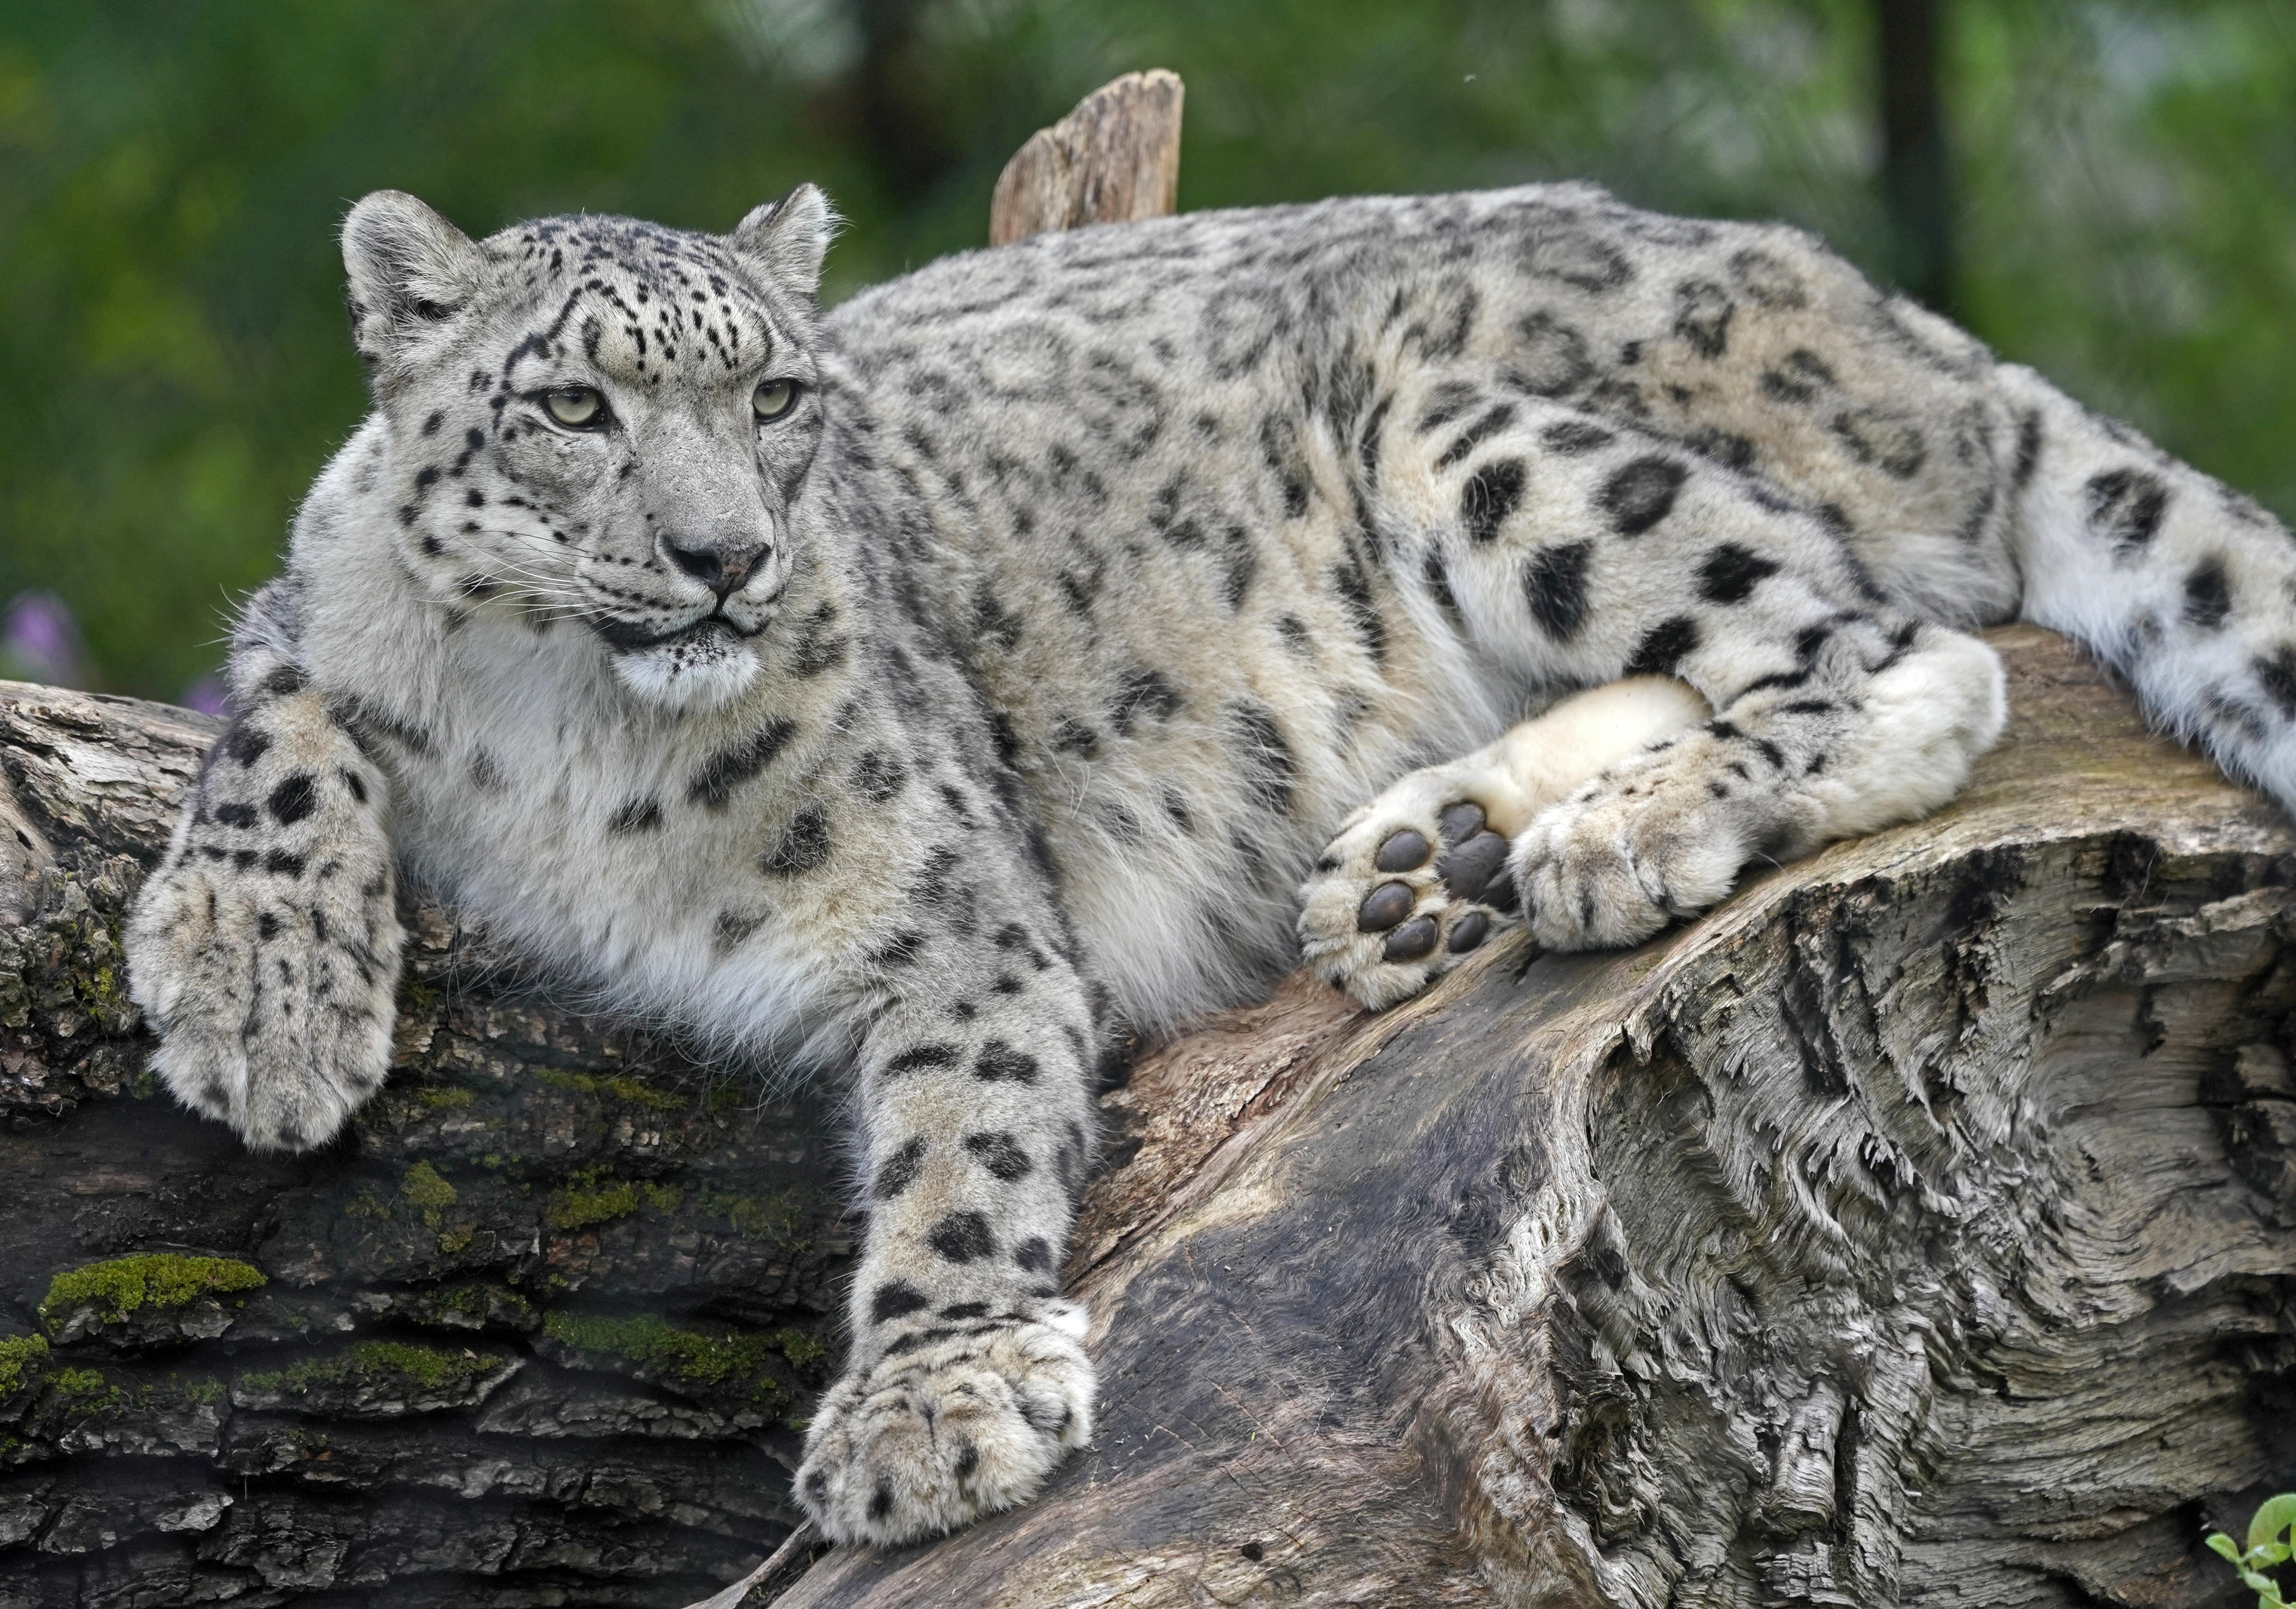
967, 1381
264, 947
1575, 552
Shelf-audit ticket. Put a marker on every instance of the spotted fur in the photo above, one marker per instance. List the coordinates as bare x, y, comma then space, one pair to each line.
999, 692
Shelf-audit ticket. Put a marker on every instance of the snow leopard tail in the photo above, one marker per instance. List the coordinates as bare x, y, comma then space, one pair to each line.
2185, 586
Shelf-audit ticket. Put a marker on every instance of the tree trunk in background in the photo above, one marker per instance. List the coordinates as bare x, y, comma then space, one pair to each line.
1915, 180
900, 124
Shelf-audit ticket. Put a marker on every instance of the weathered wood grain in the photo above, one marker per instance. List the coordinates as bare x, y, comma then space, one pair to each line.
1113, 159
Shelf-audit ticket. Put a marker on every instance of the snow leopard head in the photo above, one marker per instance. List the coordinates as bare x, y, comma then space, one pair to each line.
600, 420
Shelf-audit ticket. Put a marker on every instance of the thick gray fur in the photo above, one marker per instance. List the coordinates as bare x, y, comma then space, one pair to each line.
1082, 592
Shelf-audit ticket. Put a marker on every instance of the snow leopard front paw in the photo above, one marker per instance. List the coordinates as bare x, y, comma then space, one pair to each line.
265, 950
1651, 842
947, 1425
1414, 884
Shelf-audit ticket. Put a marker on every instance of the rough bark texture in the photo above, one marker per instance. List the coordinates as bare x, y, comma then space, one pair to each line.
534, 1334
1113, 159
1917, 1228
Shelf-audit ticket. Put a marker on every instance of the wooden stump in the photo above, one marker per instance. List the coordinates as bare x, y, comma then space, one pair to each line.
1113, 159
1917, 1228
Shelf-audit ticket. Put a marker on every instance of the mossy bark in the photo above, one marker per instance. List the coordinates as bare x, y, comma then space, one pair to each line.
1918, 1226
538, 1331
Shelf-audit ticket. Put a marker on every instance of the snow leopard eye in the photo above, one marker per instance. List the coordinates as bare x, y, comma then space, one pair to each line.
579, 407
773, 398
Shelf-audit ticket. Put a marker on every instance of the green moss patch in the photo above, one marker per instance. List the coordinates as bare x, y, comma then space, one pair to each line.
801, 1348
588, 1198
427, 1193
471, 1305
83, 1388
120, 1286
737, 1363
19, 1353
775, 1219
627, 1088
378, 1362
417, 998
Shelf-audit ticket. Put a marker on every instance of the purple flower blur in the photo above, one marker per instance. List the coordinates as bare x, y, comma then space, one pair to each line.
206, 696
39, 641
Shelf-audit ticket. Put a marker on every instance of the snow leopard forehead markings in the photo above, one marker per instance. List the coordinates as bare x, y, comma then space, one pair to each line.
679, 303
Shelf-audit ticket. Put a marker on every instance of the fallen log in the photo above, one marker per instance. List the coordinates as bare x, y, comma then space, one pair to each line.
1918, 1223
1915, 1228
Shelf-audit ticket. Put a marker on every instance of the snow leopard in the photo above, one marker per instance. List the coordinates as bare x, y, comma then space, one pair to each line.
1070, 638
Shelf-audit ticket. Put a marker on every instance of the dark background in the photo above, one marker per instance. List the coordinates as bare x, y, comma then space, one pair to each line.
2105, 189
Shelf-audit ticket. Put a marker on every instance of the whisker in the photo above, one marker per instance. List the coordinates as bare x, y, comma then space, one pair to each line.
539, 579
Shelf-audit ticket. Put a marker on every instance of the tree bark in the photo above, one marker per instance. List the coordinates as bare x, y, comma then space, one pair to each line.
1916, 1228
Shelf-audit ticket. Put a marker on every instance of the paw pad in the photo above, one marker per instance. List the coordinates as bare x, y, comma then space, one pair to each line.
1404, 851
1414, 939
1396, 901
1384, 906
1460, 821
1467, 870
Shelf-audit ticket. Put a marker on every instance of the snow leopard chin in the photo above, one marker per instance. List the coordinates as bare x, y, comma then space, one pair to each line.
694, 672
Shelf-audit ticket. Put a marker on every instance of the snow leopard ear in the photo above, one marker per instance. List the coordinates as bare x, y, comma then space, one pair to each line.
788, 238
410, 269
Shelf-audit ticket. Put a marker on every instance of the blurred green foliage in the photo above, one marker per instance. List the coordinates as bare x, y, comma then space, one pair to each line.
172, 172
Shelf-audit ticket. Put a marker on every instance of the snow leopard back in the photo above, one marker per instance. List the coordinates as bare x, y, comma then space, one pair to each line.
1186, 509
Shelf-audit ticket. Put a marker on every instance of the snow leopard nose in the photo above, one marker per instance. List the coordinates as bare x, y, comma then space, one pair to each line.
722, 569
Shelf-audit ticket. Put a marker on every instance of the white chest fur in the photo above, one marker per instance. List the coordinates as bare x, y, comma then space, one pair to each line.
547, 802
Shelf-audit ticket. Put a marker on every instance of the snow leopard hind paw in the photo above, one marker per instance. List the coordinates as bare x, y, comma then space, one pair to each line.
1426, 873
